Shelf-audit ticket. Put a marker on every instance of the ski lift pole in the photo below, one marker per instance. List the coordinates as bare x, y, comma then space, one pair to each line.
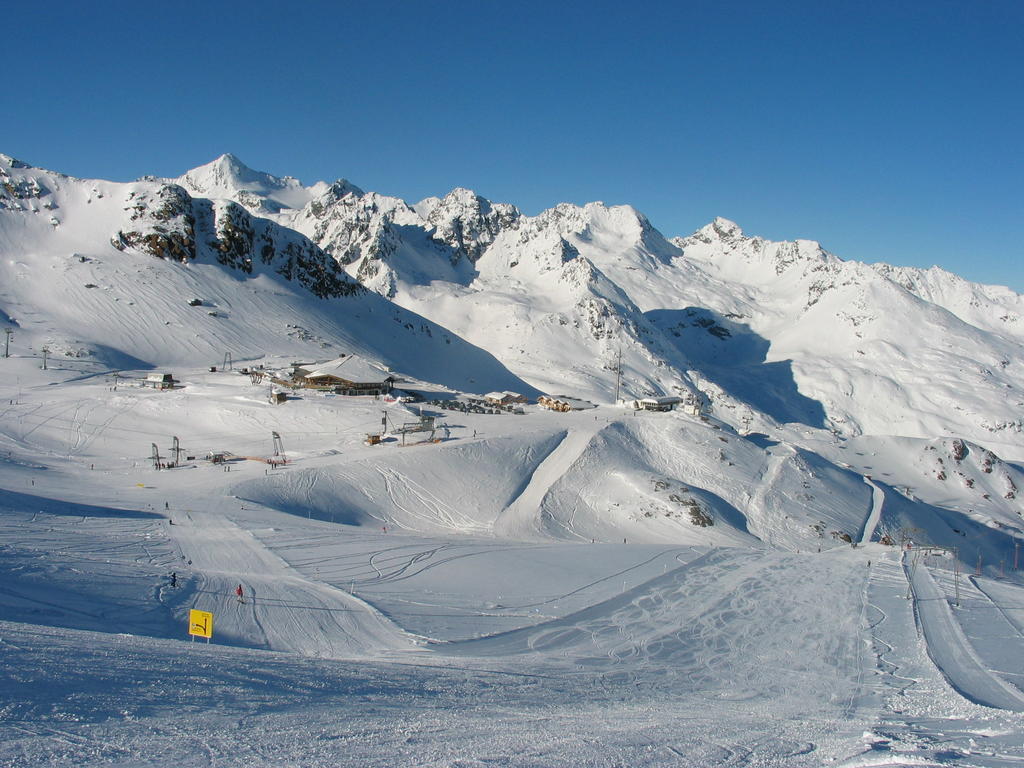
913, 570
956, 578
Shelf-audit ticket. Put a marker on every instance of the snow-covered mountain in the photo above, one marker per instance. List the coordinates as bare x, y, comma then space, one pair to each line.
146, 274
229, 179
772, 332
702, 587
773, 337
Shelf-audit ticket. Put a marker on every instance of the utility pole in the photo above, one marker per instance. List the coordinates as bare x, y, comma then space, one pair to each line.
913, 570
956, 577
46, 351
7, 342
618, 374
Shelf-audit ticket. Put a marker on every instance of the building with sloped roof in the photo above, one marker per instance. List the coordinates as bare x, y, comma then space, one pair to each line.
346, 375
666, 403
505, 398
563, 403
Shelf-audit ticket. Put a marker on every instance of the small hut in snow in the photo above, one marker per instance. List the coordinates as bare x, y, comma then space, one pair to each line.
159, 381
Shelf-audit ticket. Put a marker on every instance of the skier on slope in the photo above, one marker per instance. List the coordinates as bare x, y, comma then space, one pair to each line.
238, 592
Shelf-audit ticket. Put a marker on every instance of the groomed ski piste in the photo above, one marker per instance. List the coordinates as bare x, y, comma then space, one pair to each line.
529, 590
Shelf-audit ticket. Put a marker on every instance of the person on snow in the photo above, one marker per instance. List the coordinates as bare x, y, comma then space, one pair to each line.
238, 591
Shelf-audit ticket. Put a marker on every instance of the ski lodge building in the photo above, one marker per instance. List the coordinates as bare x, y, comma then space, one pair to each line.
346, 375
690, 404
656, 403
505, 398
563, 404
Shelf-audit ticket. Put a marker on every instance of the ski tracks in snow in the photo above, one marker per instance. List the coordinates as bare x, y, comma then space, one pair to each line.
280, 609
418, 503
701, 627
523, 516
952, 651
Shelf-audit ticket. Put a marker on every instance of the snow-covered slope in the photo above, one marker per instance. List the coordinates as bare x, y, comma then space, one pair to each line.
783, 339
873, 356
773, 332
144, 274
601, 587
590, 588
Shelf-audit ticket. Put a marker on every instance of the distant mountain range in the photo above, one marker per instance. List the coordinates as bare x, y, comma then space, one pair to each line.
475, 295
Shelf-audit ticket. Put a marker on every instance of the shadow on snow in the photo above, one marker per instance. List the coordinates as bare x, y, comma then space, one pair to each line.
732, 356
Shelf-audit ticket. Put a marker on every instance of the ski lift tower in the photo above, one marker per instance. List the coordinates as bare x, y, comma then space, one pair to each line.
175, 451
278, 457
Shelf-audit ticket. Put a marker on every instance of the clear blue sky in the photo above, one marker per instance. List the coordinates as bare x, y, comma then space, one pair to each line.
889, 131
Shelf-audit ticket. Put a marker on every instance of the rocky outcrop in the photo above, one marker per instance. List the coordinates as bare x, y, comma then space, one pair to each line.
169, 224
351, 226
466, 222
242, 241
163, 223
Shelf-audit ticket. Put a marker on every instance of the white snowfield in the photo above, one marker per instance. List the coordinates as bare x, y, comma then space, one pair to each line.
489, 599
813, 564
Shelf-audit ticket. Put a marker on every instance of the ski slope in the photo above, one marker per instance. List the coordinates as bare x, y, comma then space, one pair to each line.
532, 590
953, 652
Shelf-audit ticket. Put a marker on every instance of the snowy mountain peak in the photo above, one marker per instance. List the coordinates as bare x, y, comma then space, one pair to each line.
229, 178
465, 197
7, 161
467, 222
227, 174
338, 190
721, 230
724, 242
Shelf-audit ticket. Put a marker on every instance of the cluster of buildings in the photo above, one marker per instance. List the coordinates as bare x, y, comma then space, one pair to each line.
352, 375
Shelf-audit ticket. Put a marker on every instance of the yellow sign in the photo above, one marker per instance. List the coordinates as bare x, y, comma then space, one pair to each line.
200, 623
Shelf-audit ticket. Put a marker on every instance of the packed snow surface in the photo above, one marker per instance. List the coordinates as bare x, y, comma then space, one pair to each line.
391, 617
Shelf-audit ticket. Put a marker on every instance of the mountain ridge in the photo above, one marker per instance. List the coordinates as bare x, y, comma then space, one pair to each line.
765, 332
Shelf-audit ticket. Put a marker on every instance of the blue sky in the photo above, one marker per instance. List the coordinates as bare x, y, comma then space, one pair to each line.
889, 131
